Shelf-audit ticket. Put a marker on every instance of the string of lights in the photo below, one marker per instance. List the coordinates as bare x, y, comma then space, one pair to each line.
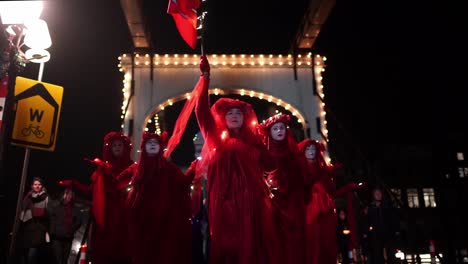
228, 61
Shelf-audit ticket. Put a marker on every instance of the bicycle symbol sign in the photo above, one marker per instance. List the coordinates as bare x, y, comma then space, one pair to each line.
32, 130
37, 114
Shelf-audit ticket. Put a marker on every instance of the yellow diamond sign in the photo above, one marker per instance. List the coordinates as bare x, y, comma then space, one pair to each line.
37, 114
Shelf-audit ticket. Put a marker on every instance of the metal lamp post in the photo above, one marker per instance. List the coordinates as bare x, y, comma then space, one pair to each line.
24, 26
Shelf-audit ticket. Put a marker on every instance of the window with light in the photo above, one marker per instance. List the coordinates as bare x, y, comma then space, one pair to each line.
413, 199
429, 197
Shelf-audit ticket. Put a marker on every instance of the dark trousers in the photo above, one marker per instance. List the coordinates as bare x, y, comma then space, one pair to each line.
61, 249
343, 250
376, 253
37, 255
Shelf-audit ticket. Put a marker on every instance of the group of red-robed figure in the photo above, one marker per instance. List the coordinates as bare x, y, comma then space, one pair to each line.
142, 210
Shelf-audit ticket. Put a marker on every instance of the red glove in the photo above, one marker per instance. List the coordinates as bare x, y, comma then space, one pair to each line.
96, 161
204, 66
360, 185
66, 183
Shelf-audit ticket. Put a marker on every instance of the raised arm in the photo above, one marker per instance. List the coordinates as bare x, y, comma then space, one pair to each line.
184, 178
202, 109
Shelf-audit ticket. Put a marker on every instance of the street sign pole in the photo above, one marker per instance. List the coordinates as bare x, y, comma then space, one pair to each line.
19, 202
24, 174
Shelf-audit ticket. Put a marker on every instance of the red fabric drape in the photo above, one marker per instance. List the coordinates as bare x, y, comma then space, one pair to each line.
184, 115
241, 216
161, 226
288, 181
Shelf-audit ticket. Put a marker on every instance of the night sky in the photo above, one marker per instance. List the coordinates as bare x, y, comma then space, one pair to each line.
380, 57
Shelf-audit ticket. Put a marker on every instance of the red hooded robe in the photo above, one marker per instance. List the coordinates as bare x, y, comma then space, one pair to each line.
240, 212
160, 209
320, 223
109, 233
288, 185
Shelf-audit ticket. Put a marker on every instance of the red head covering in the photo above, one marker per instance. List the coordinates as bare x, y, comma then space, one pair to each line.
248, 131
148, 164
320, 148
223, 105
107, 149
264, 129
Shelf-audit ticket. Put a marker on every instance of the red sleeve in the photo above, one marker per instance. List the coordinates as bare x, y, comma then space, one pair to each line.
191, 171
181, 178
125, 177
83, 188
202, 110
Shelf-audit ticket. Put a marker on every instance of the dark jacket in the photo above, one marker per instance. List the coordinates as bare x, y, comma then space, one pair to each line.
64, 220
383, 223
34, 220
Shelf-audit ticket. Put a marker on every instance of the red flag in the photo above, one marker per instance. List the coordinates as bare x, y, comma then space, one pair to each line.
184, 13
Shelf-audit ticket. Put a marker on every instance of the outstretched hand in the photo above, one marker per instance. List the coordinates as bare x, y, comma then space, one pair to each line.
66, 183
360, 185
204, 67
96, 161
133, 195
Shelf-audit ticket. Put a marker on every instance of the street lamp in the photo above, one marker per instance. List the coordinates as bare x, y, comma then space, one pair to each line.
16, 12
21, 26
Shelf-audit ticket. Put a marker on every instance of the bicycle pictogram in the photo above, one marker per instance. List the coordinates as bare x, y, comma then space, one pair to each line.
34, 130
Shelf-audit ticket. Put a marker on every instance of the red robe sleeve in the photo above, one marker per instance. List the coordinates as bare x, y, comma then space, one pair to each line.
202, 110
125, 177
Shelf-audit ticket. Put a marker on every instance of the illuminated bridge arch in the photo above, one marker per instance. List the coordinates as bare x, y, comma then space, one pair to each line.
223, 92
154, 82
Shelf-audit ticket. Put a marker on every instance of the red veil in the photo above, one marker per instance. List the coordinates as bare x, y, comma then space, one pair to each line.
102, 181
288, 184
160, 213
239, 209
109, 234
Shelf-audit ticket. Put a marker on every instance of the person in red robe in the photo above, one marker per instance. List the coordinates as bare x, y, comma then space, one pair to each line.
109, 235
159, 206
240, 214
287, 183
320, 225
321, 220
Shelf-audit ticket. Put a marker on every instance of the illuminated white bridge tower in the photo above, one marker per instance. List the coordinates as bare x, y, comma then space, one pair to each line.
159, 81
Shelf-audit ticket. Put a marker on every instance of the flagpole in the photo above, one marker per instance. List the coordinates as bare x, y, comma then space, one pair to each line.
202, 19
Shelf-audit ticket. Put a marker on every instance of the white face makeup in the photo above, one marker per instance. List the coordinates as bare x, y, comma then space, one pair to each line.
310, 152
234, 118
278, 131
152, 147
117, 148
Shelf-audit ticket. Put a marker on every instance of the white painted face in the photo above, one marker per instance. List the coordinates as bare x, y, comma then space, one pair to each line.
152, 147
234, 118
117, 148
278, 131
311, 152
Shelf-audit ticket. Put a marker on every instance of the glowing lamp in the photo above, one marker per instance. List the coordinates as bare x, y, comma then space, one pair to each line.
37, 36
346, 232
16, 12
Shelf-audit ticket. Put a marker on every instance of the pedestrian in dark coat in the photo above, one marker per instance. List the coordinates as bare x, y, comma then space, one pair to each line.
33, 232
65, 219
